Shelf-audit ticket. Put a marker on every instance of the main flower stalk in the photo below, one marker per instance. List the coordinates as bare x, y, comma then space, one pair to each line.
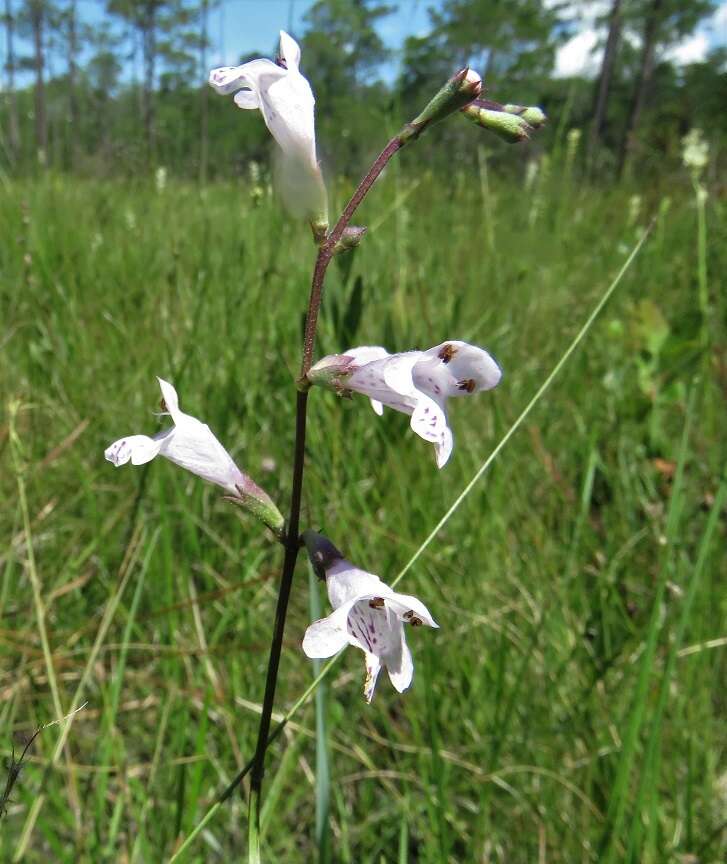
292, 541
456, 93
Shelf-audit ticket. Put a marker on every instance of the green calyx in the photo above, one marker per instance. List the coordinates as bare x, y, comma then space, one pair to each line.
460, 90
258, 503
512, 128
330, 372
531, 114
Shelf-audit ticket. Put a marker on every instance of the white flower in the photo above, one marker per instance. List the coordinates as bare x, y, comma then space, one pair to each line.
367, 614
189, 444
634, 209
160, 179
286, 100
415, 382
695, 151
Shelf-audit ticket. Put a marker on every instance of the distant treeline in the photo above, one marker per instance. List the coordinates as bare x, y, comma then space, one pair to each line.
90, 118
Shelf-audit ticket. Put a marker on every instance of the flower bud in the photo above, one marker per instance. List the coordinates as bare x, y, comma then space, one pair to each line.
321, 551
350, 239
460, 90
331, 372
531, 114
319, 227
510, 127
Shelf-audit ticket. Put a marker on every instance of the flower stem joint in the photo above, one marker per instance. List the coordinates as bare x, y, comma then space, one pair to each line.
458, 92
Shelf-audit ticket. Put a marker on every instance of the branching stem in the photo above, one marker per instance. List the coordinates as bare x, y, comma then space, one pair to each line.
325, 254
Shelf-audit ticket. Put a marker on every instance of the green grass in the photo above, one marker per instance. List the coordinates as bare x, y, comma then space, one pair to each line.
571, 707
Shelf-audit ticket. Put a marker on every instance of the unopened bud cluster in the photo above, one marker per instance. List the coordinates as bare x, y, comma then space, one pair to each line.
512, 123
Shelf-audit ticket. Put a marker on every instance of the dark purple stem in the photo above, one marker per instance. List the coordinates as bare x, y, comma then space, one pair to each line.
325, 254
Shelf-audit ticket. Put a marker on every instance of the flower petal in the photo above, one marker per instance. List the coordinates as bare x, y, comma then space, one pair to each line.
287, 104
366, 354
409, 608
371, 379
246, 99
400, 666
139, 449
193, 446
444, 447
467, 368
429, 421
289, 51
171, 400
347, 583
227, 79
324, 639
398, 372
373, 667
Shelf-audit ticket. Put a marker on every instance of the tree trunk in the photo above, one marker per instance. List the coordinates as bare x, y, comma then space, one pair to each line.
600, 104
648, 53
37, 23
13, 125
73, 109
148, 48
204, 116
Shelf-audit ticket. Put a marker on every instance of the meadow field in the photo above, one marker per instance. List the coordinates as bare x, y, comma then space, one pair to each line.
571, 707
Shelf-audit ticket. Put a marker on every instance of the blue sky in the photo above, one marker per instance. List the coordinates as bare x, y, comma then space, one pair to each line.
243, 26
240, 27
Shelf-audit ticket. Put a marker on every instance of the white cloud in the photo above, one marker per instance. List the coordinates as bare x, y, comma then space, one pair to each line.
718, 21
693, 49
577, 57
